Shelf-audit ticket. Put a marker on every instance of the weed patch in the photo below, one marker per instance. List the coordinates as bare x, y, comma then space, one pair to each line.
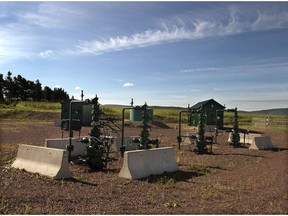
7, 167
285, 196
164, 181
201, 169
171, 205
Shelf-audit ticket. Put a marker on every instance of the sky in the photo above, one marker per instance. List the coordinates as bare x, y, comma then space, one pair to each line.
161, 53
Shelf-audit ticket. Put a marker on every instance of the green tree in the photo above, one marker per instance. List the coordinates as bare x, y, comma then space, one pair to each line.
2, 85
22, 88
9, 89
60, 94
19, 88
38, 94
48, 94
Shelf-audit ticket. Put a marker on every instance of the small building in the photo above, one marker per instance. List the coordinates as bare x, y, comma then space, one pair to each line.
209, 108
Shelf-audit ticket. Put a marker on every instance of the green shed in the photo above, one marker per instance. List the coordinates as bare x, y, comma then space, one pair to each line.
209, 108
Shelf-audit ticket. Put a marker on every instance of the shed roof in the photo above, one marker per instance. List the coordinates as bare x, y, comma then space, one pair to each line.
199, 104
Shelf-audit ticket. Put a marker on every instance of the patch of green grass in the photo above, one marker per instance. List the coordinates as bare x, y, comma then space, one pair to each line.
38, 106
123, 184
171, 205
80, 177
203, 192
245, 120
7, 167
274, 208
230, 165
27, 209
201, 169
165, 181
285, 196
161, 114
114, 111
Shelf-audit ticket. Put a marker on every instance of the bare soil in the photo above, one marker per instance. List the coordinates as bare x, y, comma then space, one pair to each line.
228, 181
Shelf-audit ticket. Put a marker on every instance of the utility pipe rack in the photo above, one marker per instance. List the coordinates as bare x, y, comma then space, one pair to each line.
235, 130
200, 142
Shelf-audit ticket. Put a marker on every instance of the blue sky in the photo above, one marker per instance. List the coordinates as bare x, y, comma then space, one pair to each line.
162, 53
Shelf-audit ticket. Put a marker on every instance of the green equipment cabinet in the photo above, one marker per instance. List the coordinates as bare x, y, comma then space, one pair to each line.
81, 115
137, 115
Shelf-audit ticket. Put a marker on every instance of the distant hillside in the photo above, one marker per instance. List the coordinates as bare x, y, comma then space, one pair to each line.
280, 111
153, 107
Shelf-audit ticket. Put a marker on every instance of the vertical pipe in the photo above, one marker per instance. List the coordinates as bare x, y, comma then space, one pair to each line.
70, 146
180, 127
122, 136
216, 123
82, 95
70, 132
179, 132
122, 147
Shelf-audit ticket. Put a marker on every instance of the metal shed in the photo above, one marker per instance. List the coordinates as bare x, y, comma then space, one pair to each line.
209, 108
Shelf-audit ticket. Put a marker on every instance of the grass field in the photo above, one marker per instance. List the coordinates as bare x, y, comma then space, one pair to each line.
23, 110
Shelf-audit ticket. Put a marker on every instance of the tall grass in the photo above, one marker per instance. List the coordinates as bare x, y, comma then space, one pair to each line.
38, 106
165, 115
113, 111
258, 120
169, 115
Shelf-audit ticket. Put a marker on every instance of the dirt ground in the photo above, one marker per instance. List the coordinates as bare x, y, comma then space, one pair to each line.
228, 181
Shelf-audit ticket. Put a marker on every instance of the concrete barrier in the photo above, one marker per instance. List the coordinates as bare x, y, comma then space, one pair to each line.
256, 141
248, 137
143, 163
48, 162
60, 143
263, 142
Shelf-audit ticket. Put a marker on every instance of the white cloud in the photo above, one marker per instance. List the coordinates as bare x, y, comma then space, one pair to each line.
234, 23
18, 39
128, 84
46, 53
53, 15
192, 70
14, 45
77, 88
195, 90
147, 38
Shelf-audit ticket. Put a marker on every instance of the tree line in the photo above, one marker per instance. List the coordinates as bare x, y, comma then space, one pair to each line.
18, 88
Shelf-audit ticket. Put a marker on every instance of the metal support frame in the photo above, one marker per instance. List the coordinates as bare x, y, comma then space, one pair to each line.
122, 147
96, 147
179, 139
70, 147
144, 133
200, 143
235, 130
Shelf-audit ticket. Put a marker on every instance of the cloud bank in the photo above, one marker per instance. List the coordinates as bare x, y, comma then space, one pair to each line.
32, 22
199, 28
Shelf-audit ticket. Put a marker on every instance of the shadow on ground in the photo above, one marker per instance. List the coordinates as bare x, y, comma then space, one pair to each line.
175, 176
